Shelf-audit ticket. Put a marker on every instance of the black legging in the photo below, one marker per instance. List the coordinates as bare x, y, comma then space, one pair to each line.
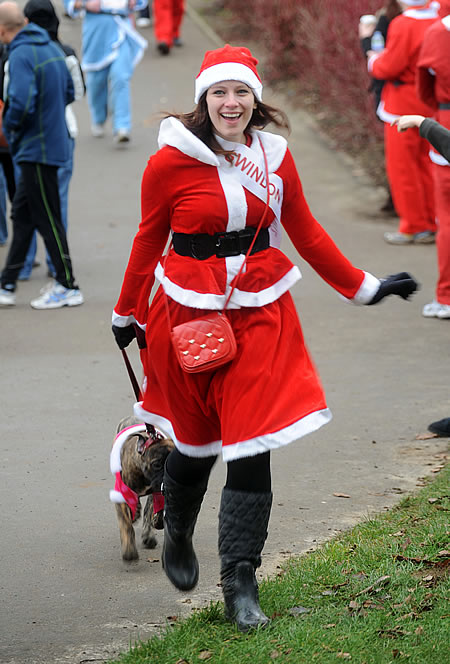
251, 474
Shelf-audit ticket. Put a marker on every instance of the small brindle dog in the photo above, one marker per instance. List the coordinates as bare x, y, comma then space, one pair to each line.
142, 471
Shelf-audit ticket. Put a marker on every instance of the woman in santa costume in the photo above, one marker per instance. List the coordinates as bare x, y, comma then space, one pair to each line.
407, 164
207, 185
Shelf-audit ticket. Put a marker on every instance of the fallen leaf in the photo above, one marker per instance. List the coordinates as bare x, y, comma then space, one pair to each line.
204, 655
153, 560
397, 653
274, 654
399, 533
172, 618
328, 593
343, 655
379, 583
444, 553
433, 500
181, 661
353, 606
330, 625
426, 436
437, 469
419, 630
428, 578
341, 495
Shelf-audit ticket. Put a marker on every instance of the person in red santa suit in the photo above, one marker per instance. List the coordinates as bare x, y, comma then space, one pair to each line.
167, 18
434, 89
207, 185
407, 164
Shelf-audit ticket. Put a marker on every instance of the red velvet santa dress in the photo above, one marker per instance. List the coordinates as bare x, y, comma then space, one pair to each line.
270, 394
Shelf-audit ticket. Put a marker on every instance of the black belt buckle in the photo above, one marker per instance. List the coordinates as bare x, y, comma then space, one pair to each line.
199, 249
228, 244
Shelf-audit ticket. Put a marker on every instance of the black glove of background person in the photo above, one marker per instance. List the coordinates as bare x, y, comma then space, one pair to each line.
402, 284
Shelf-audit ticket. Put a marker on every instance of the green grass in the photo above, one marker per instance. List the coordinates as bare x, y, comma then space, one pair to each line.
377, 594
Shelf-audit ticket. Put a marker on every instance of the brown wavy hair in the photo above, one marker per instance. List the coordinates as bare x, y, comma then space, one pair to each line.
199, 122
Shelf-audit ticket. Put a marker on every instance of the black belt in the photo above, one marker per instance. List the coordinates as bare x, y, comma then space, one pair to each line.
445, 106
234, 243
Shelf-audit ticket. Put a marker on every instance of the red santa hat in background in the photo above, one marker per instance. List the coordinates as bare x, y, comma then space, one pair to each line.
230, 63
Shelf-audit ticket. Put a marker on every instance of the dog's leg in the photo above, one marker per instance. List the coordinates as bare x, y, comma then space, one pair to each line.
126, 530
148, 536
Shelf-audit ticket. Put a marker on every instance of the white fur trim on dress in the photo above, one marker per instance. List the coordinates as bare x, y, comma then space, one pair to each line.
272, 441
244, 448
173, 132
367, 290
227, 71
239, 299
124, 321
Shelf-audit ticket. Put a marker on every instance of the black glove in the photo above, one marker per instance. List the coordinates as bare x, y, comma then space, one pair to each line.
124, 335
402, 284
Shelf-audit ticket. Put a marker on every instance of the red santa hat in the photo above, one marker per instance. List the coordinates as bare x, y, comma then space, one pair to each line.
230, 63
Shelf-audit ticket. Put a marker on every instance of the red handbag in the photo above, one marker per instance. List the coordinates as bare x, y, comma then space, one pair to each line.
207, 342
204, 343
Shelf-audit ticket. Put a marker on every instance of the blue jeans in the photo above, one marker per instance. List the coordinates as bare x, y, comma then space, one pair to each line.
64, 175
3, 225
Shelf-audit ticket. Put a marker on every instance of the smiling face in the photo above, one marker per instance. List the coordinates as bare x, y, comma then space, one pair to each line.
230, 107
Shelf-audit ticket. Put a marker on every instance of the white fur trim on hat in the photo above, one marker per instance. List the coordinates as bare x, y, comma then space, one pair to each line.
227, 71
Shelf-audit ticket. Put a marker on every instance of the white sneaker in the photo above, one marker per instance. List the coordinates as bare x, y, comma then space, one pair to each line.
143, 22
57, 297
48, 287
7, 298
122, 136
97, 130
436, 310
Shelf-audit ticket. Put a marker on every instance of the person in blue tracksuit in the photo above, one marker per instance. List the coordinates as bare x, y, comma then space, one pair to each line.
38, 88
111, 48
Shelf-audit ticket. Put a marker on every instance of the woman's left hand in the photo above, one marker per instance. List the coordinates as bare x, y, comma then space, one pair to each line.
401, 284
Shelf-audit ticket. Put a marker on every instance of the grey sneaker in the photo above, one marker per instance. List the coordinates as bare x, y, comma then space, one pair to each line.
58, 296
425, 237
7, 298
398, 238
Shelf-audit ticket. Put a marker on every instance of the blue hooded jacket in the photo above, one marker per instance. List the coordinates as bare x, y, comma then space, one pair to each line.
39, 88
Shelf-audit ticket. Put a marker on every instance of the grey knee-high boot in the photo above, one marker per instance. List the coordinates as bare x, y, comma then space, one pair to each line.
181, 507
243, 521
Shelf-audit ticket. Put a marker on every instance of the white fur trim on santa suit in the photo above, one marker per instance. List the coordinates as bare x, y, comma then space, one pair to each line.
421, 14
227, 71
438, 159
384, 115
244, 448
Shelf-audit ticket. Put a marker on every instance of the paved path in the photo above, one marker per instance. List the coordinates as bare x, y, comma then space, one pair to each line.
66, 595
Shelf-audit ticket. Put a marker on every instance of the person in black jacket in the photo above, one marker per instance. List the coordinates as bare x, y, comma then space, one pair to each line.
439, 137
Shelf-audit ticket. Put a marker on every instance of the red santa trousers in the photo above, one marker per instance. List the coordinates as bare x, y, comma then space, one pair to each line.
409, 172
269, 395
442, 200
167, 16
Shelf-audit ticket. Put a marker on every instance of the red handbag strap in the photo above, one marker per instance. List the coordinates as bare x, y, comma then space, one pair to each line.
261, 221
